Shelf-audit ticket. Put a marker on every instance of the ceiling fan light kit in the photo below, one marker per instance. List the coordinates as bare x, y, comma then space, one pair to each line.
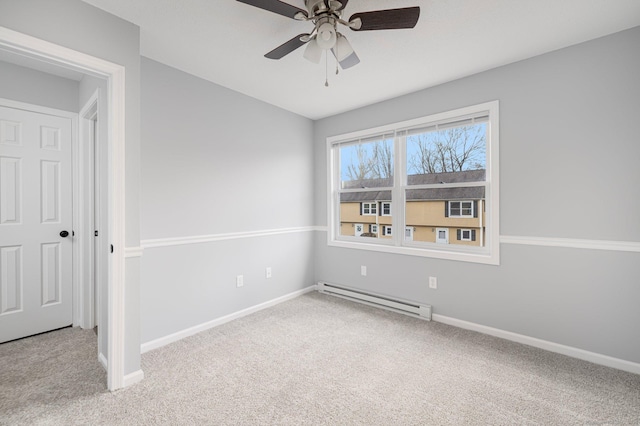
326, 15
313, 52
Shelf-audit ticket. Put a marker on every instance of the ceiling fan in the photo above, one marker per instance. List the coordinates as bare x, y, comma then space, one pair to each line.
326, 15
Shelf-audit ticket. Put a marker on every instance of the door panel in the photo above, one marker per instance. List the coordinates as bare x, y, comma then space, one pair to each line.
35, 206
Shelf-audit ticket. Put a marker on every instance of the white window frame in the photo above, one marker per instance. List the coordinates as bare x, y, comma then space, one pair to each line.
462, 237
387, 230
371, 206
373, 228
461, 208
382, 205
487, 254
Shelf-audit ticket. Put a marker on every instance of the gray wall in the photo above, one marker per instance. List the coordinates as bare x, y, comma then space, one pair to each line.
34, 87
82, 27
217, 162
569, 155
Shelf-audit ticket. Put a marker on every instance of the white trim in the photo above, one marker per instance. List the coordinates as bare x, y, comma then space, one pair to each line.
10, 103
171, 338
83, 211
103, 361
582, 354
631, 246
59, 55
133, 252
133, 378
196, 239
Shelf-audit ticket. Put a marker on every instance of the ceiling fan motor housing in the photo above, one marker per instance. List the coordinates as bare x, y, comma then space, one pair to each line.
316, 7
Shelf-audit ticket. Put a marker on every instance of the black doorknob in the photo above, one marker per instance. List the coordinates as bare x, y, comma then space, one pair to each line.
64, 234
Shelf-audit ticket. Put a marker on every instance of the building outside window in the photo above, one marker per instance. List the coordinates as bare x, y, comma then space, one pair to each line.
436, 177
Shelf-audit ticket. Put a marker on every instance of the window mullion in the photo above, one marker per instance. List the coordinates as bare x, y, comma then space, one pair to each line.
399, 183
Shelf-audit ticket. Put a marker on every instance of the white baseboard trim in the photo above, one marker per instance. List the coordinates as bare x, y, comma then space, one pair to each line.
133, 378
103, 361
162, 341
596, 358
129, 379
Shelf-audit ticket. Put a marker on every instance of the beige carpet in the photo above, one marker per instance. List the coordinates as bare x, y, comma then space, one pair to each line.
315, 360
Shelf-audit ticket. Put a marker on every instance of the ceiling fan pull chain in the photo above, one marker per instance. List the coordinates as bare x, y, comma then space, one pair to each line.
326, 69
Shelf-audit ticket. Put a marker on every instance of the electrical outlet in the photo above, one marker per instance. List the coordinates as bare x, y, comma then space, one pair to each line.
267, 272
363, 271
239, 280
433, 282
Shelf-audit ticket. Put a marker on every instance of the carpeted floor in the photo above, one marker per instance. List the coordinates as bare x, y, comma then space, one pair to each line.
315, 360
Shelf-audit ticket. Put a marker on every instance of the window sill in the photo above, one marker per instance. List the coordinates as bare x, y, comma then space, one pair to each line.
456, 254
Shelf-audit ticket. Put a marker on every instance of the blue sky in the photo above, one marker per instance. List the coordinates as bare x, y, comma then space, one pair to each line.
348, 153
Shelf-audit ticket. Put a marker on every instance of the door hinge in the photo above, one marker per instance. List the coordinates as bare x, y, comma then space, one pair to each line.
111, 248
95, 233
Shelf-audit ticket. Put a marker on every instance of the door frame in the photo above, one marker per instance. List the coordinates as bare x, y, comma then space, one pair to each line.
115, 75
84, 217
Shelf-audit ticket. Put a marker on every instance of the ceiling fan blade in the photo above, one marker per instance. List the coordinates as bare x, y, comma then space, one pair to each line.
344, 4
287, 47
390, 19
276, 6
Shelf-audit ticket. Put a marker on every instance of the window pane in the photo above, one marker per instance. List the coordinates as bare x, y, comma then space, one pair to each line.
359, 208
448, 150
367, 164
432, 210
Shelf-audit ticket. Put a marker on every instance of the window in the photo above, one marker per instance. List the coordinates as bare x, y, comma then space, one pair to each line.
369, 209
466, 234
461, 208
436, 177
373, 229
385, 209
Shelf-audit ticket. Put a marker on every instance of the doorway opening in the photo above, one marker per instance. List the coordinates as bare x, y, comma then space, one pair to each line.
112, 319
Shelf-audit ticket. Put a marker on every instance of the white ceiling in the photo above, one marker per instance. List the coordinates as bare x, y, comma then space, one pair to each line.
224, 42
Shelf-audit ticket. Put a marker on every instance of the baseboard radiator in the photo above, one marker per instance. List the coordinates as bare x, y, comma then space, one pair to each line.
413, 309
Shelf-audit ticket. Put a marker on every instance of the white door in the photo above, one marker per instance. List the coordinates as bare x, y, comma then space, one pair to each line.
35, 209
408, 233
442, 235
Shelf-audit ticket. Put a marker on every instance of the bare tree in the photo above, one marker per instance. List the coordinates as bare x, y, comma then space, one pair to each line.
449, 150
372, 161
383, 159
361, 168
453, 149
